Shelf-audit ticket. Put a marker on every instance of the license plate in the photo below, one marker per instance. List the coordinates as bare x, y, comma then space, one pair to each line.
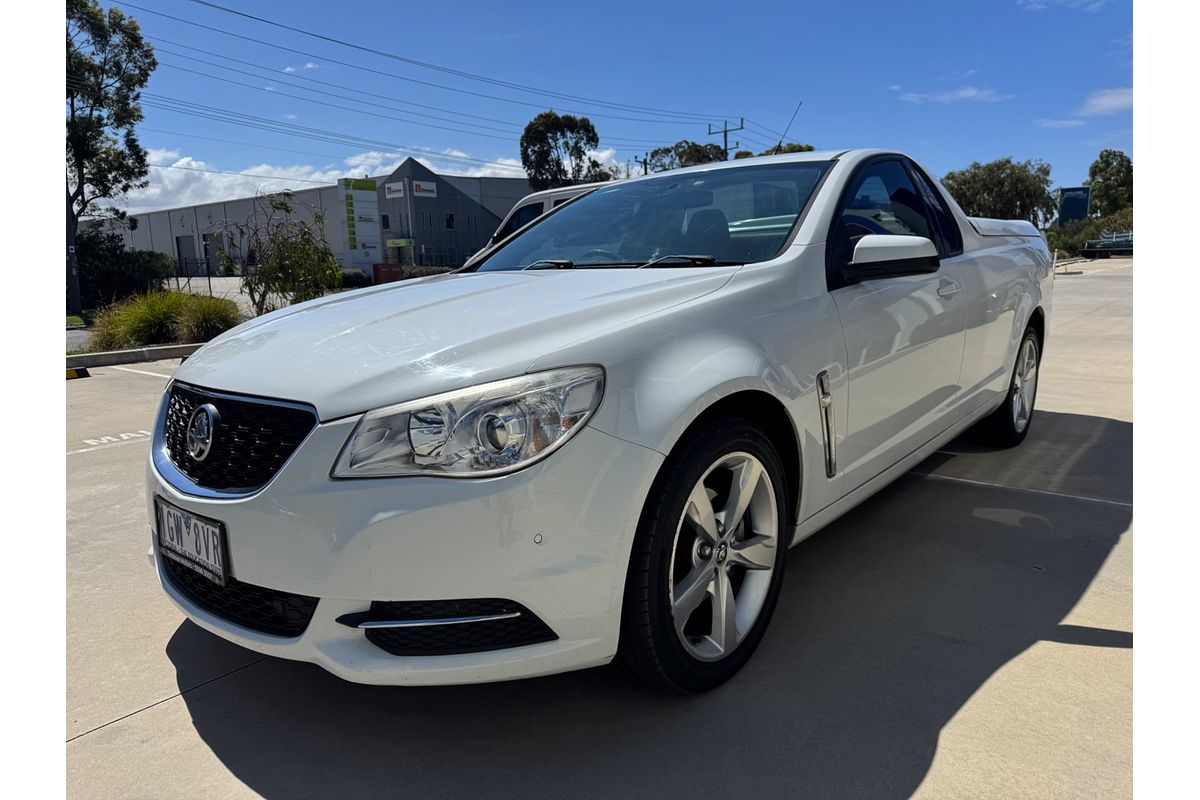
197, 543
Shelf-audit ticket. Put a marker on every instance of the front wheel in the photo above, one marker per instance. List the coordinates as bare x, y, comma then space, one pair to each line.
1008, 425
707, 561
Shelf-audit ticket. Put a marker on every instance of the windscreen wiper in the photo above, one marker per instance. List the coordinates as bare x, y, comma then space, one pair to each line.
694, 261
550, 263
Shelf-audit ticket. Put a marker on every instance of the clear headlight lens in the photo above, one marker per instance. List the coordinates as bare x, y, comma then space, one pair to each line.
484, 430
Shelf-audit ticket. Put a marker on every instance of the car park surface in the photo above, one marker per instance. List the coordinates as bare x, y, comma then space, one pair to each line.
966, 632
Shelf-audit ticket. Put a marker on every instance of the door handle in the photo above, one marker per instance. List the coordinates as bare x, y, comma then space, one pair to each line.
948, 288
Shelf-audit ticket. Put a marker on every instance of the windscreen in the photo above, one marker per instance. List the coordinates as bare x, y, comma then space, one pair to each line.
735, 215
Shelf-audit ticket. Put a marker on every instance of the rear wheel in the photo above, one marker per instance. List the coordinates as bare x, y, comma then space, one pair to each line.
1008, 425
707, 562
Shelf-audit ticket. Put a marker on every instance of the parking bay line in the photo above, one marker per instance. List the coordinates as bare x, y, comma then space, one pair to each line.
989, 485
142, 372
107, 445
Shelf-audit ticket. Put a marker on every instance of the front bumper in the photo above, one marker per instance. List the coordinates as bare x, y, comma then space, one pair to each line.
351, 542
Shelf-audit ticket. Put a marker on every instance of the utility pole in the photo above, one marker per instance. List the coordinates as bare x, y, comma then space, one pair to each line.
725, 130
645, 162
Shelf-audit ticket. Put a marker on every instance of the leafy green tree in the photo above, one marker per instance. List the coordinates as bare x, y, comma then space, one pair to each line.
109, 273
1004, 189
1111, 179
291, 259
556, 151
684, 153
108, 63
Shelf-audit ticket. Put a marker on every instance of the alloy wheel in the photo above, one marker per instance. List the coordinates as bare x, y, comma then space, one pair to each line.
1024, 388
723, 556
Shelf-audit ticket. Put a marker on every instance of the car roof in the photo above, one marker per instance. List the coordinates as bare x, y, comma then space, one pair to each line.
578, 188
811, 155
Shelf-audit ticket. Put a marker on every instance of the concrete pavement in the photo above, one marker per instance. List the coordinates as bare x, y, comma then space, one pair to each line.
965, 633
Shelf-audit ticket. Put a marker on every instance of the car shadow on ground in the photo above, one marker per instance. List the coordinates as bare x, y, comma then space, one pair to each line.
890, 620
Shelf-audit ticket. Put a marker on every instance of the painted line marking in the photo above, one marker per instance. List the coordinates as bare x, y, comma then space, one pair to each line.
142, 372
104, 442
1048, 492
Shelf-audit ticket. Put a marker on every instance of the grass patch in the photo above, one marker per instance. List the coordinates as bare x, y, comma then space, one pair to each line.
83, 319
162, 318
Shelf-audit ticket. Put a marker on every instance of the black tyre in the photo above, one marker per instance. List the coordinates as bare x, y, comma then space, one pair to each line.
1009, 424
707, 561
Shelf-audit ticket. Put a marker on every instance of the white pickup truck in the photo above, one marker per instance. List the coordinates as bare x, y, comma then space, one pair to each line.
597, 440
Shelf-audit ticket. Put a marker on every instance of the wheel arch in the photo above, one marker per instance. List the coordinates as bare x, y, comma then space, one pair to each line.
768, 412
1037, 321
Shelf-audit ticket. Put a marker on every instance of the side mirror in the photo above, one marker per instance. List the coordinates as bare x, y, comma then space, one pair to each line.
890, 256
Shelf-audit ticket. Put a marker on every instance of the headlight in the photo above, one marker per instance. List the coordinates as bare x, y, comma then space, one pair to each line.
484, 430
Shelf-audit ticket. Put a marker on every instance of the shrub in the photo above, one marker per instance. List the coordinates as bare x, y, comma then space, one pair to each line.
292, 261
1070, 238
355, 279
202, 318
162, 318
109, 273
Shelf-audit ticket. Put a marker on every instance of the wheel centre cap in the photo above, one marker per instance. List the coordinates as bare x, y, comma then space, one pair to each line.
722, 553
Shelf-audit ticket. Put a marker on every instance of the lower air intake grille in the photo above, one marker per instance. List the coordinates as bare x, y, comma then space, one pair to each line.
254, 607
465, 637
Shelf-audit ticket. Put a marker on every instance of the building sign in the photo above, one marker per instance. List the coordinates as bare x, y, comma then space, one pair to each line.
361, 199
1073, 204
401, 242
420, 189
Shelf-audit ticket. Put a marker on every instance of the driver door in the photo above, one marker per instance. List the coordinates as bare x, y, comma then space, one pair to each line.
904, 335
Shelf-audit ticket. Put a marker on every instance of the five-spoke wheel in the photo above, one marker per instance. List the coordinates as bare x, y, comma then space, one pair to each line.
707, 561
723, 556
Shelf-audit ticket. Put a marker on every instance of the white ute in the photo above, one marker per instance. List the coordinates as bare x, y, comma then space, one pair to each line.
597, 440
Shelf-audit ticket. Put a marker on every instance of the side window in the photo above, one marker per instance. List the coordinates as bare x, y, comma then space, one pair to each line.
560, 201
950, 242
520, 218
881, 200
526, 215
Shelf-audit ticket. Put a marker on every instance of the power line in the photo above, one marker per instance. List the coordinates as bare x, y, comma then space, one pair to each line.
213, 113
482, 132
274, 75
277, 72
242, 174
389, 75
448, 70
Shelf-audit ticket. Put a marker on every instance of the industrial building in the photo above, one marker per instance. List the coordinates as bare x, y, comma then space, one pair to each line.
413, 216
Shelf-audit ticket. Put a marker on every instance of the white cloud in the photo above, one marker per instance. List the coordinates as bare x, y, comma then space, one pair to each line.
290, 117
964, 94
311, 65
171, 188
1057, 124
1107, 101
894, 87
1077, 5
289, 69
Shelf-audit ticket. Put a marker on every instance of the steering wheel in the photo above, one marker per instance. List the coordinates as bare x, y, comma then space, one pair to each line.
599, 256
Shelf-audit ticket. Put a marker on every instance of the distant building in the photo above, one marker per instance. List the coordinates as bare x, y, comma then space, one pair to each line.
414, 216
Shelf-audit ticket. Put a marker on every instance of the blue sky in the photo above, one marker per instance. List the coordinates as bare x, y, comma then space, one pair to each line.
947, 82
